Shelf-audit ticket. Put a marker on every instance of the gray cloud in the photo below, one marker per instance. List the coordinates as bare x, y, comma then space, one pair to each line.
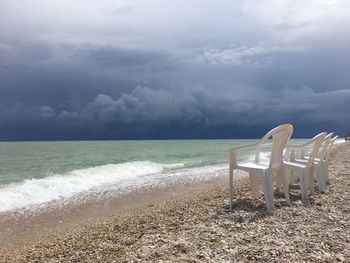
71, 65
145, 106
110, 57
145, 110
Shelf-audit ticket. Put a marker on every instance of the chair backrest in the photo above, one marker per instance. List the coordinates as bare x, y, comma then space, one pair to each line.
316, 141
331, 143
280, 136
325, 146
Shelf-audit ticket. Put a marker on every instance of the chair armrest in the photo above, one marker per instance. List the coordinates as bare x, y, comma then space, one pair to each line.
257, 144
244, 146
298, 146
304, 147
233, 151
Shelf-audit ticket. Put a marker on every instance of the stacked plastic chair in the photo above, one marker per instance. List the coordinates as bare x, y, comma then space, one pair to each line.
326, 158
314, 153
259, 170
321, 161
303, 162
305, 169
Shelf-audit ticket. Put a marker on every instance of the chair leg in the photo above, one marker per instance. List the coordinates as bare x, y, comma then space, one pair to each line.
326, 172
271, 190
231, 187
285, 181
268, 191
320, 177
279, 181
293, 178
254, 185
304, 182
311, 180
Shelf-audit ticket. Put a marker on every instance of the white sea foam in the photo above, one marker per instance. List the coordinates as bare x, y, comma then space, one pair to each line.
38, 191
110, 178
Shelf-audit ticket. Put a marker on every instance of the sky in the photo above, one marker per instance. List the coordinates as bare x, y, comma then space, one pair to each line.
152, 69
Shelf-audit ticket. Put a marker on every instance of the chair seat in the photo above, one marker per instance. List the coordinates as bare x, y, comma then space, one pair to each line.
294, 164
319, 173
316, 161
253, 166
307, 158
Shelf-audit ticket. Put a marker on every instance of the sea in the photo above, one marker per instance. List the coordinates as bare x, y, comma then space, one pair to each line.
37, 174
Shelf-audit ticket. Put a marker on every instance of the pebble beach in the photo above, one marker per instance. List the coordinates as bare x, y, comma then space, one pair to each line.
198, 228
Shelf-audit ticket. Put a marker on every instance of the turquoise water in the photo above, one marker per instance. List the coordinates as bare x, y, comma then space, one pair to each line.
33, 173
26, 160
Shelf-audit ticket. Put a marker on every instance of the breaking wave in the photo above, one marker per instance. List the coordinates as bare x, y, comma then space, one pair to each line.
38, 191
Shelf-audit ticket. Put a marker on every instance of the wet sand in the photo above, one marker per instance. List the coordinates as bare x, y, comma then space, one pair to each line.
21, 228
194, 226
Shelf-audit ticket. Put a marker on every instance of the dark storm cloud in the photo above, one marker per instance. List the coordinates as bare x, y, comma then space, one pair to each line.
111, 57
146, 110
69, 69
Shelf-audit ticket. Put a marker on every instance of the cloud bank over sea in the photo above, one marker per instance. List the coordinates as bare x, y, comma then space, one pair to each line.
187, 69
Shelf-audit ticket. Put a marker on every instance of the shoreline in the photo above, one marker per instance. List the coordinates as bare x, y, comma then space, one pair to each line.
24, 227
192, 225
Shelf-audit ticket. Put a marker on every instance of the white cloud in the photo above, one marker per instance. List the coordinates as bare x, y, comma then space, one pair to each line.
251, 56
155, 23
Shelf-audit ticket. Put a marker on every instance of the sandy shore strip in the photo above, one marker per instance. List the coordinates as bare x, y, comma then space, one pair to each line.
19, 228
196, 228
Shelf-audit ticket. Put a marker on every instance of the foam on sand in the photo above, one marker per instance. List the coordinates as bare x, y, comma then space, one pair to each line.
38, 191
107, 179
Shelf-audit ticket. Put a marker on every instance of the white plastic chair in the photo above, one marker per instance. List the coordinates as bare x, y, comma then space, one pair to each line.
304, 169
320, 160
259, 170
326, 160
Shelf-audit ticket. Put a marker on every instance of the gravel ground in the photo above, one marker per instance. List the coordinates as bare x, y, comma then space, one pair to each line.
198, 229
